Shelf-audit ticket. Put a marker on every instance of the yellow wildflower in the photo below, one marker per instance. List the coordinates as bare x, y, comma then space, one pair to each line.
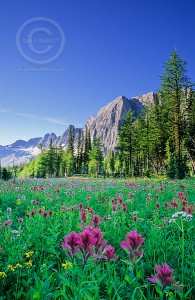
18, 202
11, 268
18, 265
29, 254
67, 265
29, 263
3, 274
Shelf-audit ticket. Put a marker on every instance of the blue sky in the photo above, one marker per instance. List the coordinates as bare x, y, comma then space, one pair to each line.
112, 48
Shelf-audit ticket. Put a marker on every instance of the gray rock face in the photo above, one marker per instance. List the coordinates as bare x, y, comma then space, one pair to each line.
145, 99
45, 141
63, 139
110, 117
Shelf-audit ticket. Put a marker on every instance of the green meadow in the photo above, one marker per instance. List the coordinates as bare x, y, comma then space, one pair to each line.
86, 239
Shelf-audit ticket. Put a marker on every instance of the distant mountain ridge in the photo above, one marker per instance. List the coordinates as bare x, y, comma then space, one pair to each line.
104, 126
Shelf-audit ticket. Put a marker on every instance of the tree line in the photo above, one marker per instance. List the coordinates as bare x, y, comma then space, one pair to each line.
161, 140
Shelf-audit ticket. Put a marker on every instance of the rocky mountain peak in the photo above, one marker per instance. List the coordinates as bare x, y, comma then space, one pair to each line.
146, 98
104, 126
109, 118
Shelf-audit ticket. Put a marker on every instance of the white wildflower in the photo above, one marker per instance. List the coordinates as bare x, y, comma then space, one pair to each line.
183, 214
15, 231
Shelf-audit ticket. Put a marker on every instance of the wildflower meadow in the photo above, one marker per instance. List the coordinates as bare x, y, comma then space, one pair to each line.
86, 239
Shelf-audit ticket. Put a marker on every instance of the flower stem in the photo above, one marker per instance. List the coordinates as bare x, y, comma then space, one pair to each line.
182, 257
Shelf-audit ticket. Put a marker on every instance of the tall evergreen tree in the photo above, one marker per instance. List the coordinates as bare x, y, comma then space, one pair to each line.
79, 152
190, 128
174, 82
86, 149
50, 159
109, 162
71, 139
95, 158
125, 144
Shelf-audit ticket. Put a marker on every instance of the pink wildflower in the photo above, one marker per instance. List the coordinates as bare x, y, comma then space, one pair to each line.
33, 212
99, 244
108, 253
63, 208
124, 207
174, 203
180, 195
96, 220
190, 209
183, 208
120, 200
71, 243
86, 240
81, 206
50, 213
133, 241
40, 210
72, 208
1, 249
6, 223
163, 276
44, 214
20, 220
131, 244
83, 215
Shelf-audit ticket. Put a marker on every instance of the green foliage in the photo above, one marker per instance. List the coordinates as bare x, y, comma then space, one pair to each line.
126, 144
172, 167
95, 158
38, 238
162, 138
6, 174
174, 98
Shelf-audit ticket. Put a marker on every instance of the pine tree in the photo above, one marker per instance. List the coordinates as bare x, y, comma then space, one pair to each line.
79, 152
95, 158
125, 144
86, 149
6, 174
58, 161
174, 82
109, 163
71, 139
50, 160
190, 128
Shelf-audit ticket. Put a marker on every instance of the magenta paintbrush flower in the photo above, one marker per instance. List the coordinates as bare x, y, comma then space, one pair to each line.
88, 243
133, 241
95, 220
71, 243
163, 276
108, 253
87, 240
99, 244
